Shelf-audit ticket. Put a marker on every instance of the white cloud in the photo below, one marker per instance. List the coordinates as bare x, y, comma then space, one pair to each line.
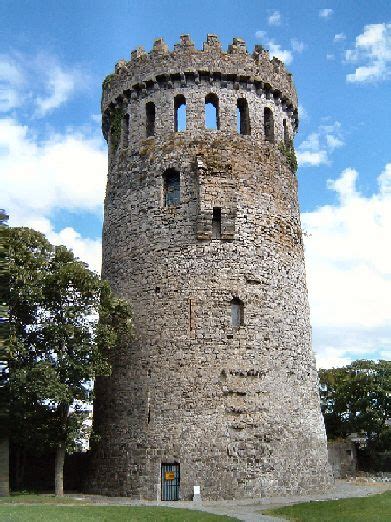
275, 49
331, 357
303, 114
61, 85
96, 118
312, 158
326, 13
297, 45
335, 347
66, 171
39, 82
349, 271
274, 18
285, 55
330, 56
86, 249
316, 148
339, 37
373, 47
11, 80
333, 142
260, 35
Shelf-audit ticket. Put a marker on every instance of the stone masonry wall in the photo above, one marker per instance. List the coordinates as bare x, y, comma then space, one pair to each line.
236, 406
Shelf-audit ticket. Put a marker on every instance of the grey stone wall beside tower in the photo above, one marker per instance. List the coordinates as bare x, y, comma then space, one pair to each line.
202, 235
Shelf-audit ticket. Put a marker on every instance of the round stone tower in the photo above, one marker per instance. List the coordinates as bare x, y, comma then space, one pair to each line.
218, 388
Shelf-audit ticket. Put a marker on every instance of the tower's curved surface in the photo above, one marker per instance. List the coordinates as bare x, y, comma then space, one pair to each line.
202, 235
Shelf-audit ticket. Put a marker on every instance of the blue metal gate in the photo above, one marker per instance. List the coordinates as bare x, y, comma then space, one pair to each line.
170, 481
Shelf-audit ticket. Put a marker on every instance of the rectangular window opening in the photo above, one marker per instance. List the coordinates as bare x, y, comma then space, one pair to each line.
268, 123
216, 223
243, 119
125, 131
237, 313
150, 115
172, 188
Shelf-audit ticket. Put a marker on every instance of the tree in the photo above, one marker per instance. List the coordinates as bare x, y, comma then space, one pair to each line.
357, 399
57, 344
4, 277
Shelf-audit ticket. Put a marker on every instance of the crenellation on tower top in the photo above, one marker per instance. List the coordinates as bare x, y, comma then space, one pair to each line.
212, 43
238, 46
120, 65
160, 47
160, 60
185, 44
138, 53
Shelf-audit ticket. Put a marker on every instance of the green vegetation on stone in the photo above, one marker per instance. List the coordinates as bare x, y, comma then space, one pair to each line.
116, 116
106, 82
375, 508
288, 151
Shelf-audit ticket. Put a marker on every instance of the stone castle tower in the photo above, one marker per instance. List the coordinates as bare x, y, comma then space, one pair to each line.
202, 235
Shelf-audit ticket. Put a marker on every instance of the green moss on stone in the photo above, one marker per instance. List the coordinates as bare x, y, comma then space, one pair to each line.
288, 150
116, 116
106, 82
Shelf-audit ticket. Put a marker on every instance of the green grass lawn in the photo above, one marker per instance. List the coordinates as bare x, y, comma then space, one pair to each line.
375, 508
33, 498
46, 508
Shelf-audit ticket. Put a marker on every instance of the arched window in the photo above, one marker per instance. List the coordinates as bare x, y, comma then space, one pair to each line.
125, 130
268, 124
286, 133
150, 115
179, 113
237, 312
171, 188
212, 119
243, 118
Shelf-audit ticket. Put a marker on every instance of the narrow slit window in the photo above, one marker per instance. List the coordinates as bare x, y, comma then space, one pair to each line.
125, 131
216, 223
286, 133
237, 312
150, 115
172, 188
243, 118
212, 119
268, 123
179, 113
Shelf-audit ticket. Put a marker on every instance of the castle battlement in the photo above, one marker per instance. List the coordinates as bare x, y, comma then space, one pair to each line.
185, 65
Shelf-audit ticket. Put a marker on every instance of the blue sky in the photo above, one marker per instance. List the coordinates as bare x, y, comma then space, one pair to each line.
54, 56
